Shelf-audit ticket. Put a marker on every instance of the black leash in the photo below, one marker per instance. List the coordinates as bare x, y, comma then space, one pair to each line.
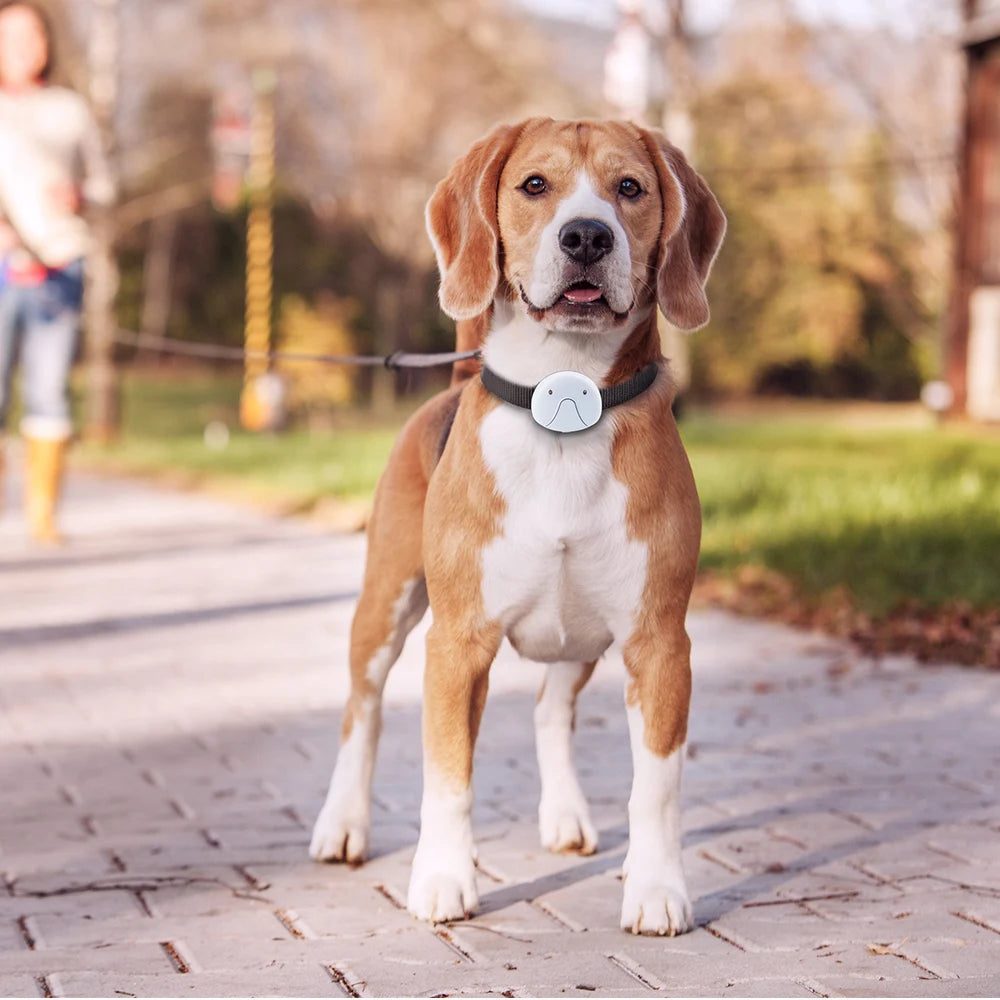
398, 359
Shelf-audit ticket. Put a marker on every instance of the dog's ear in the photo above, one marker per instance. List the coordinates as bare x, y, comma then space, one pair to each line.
690, 237
462, 223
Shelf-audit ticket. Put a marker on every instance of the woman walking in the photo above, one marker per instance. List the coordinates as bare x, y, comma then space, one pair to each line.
51, 166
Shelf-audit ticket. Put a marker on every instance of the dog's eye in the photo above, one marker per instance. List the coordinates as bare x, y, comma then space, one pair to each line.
629, 187
534, 185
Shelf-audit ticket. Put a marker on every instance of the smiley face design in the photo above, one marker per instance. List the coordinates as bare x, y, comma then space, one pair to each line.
566, 402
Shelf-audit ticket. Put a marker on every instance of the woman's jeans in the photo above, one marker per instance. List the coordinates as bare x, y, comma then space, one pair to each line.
41, 323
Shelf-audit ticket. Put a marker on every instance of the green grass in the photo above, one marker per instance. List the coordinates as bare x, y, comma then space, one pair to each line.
890, 513
163, 434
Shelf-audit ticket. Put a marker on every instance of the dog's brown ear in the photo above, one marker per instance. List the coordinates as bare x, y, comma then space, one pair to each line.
692, 231
462, 223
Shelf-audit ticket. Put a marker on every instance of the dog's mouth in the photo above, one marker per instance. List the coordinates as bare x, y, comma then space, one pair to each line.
577, 302
583, 293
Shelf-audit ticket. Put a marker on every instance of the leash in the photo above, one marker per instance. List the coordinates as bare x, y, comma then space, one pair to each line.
587, 402
396, 360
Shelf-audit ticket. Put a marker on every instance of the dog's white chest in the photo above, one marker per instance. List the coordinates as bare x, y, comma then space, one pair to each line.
563, 578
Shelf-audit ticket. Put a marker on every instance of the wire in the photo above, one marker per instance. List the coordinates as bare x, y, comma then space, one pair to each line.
398, 359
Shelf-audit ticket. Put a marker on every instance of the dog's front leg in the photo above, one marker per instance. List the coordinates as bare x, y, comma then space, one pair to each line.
563, 816
443, 881
657, 696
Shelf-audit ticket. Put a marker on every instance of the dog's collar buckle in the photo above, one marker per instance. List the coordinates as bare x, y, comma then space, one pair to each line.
567, 401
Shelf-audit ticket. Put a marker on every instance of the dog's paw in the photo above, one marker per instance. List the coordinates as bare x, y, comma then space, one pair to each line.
441, 896
565, 827
337, 837
651, 906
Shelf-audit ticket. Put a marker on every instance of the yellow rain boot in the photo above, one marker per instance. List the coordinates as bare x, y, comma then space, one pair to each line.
43, 479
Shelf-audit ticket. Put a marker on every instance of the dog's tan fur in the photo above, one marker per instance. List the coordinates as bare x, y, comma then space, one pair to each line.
663, 512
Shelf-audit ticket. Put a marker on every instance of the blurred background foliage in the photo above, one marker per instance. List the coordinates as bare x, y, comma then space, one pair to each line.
326, 329
828, 130
827, 138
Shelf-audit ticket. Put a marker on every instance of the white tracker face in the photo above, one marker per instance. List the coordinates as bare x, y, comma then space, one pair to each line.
566, 401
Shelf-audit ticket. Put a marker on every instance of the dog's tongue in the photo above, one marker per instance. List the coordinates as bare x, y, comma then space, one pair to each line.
582, 294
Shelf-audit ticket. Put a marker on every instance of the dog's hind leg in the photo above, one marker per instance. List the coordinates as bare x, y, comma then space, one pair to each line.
563, 816
342, 828
393, 599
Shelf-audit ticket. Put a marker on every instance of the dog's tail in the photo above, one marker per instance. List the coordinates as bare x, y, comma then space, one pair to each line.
469, 335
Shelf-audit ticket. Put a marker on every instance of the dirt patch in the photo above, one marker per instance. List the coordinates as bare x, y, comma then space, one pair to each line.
952, 633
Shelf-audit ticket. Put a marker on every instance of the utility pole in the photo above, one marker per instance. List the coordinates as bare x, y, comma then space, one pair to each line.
627, 86
972, 347
677, 120
102, 416
678, 123
627, 64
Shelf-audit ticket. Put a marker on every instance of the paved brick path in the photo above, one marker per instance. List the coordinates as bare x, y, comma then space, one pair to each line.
170, 689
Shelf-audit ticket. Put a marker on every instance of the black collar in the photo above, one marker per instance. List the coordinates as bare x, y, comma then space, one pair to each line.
612, 395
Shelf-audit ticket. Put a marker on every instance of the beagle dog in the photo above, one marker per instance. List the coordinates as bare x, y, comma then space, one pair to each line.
556, 241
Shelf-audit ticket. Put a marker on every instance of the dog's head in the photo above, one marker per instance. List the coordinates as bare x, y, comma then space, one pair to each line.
584, 221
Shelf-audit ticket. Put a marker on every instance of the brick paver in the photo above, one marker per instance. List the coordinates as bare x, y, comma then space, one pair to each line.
170, 688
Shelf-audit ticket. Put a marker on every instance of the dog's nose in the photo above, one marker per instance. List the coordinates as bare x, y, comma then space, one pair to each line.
586, 240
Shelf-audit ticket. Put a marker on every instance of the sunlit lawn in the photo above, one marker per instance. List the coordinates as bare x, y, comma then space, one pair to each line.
889, 512
163, 435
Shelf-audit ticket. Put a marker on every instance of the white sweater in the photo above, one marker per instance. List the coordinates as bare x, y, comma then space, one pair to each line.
48, 142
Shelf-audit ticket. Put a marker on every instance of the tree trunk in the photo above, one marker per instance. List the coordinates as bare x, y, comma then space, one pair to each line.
103, 406
156, 276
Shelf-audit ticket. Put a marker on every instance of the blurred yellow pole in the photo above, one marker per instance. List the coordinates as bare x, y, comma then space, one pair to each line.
260, 251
